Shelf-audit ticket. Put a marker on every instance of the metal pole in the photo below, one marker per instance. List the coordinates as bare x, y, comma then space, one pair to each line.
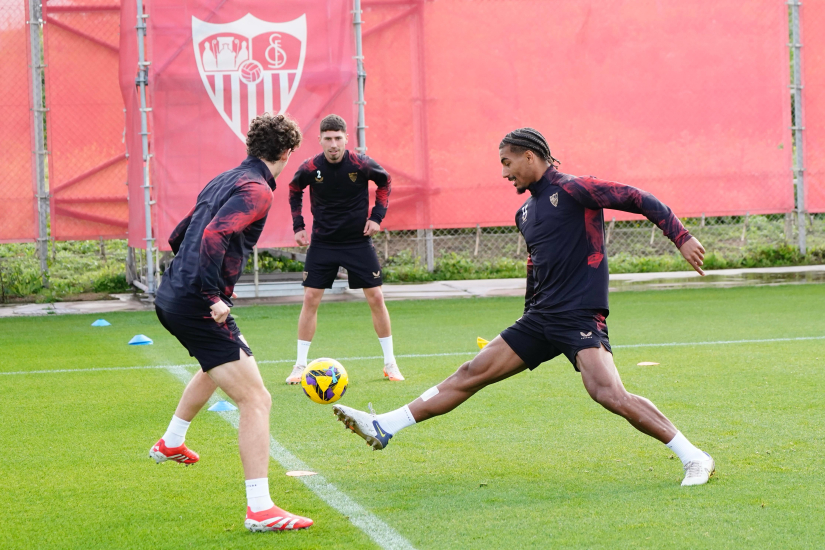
38, 114
798, 121
362, 79
255, 267
142, 81
430, 252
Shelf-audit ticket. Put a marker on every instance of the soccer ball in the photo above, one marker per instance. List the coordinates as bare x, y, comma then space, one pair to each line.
251, 72
324, 380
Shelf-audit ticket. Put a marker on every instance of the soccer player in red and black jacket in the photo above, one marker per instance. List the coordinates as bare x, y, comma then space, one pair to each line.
211, 246
342, 230
563, 225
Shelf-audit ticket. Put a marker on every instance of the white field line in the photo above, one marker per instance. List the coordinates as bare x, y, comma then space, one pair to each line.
413, 355
381, 533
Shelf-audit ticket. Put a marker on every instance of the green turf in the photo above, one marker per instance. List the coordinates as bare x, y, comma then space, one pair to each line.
531, 462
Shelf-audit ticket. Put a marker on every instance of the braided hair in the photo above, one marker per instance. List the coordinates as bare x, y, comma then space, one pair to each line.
528, 138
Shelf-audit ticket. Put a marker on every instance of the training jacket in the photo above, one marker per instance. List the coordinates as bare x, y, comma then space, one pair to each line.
563, 225
339, 197
214, 240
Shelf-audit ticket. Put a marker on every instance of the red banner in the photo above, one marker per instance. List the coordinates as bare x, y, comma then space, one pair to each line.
217, 65
87, 161
812, 22
687, 100
18, 208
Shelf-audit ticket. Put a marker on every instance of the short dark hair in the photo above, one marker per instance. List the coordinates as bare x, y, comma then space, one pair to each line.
524, 139
333, 123
270, 136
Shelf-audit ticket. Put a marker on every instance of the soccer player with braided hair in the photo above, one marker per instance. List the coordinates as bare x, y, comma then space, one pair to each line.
211, 246
567, 302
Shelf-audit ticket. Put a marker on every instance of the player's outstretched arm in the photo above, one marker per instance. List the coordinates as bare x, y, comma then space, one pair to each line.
594, 194
694, 253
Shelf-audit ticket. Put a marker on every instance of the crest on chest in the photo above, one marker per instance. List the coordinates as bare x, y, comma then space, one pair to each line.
524, 212
353, 176
554, 199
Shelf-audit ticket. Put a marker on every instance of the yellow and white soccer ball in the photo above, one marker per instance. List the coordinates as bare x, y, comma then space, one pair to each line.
324, 380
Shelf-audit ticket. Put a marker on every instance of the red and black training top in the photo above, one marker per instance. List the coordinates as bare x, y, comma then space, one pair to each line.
214, 240
339, 197
563, 225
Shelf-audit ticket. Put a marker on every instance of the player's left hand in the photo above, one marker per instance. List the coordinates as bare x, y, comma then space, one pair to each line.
694, 253
371, 228
220, 311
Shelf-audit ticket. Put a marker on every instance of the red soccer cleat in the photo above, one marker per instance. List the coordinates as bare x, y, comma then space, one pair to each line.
274, 519
161, 453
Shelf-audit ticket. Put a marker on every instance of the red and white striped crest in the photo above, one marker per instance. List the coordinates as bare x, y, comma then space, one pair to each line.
249, 66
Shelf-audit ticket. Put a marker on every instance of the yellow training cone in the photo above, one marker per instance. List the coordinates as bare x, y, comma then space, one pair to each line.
481, 342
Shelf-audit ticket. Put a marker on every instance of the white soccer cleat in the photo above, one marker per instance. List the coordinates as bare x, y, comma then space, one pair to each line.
363, 424
392, 372
698, 472
295, 375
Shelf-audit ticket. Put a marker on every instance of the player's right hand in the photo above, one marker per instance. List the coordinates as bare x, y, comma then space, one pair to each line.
220, 311
694, 253
301, 237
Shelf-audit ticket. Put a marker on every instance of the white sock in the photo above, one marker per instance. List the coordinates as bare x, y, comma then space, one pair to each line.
386, 345
303, 351
176, 432
257, 494
396, 420
684, 449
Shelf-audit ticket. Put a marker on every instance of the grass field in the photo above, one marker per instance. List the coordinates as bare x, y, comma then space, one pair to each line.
531, 462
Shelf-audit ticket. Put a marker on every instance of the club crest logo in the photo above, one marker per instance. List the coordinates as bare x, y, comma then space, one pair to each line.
554, 199
524, 213
249, 66
353, 176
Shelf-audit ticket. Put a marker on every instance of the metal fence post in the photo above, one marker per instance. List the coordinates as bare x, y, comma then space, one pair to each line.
142, 81
362, 79
255, 268
798, 121
430, 251
40, 152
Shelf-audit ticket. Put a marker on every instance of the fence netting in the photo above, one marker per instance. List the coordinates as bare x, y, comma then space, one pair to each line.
18, 203
87, 164
813, 97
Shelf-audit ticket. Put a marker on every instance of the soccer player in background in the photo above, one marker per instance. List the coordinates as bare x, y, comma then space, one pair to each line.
563, 225
211, 247
342, 230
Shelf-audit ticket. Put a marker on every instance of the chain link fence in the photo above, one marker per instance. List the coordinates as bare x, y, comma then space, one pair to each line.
729, 241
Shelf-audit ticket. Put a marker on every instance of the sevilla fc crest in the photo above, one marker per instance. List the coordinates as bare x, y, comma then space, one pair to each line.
249, 66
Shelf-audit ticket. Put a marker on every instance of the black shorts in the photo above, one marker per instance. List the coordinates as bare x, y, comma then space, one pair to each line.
205, 340
538, 337
360, 261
